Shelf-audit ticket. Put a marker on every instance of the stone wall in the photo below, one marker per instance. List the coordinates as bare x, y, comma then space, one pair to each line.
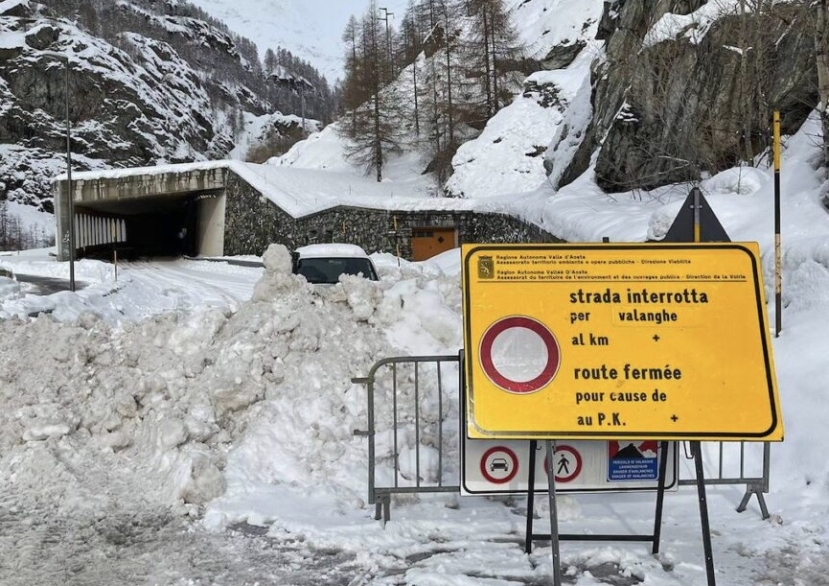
252, 223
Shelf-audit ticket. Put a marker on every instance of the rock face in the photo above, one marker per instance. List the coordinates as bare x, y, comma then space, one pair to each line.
561, 56
150, 89
676, 95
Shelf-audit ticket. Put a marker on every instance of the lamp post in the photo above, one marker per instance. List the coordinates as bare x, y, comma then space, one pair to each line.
69, 183
71, 197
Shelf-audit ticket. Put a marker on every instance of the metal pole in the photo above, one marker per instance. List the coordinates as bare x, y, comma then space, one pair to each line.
551, 490
388, 43
69, 183
528, 543
660, 495
302, 105
778, 261
697, 227
113, 234
386, 16
696, 449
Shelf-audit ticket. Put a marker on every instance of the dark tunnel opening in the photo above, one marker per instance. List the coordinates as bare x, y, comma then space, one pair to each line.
154, 228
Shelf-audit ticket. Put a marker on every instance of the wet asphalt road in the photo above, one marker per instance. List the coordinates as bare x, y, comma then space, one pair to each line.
147, 549
46, 285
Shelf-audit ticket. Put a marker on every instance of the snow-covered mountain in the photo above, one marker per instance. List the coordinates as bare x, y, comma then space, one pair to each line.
148, 87
309, 28
647, 96
187, 89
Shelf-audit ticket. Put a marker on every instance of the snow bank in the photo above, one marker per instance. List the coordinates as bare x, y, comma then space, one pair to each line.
177, 410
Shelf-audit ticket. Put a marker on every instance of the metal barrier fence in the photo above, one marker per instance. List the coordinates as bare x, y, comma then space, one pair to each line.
756, 480
414, 436
413, 426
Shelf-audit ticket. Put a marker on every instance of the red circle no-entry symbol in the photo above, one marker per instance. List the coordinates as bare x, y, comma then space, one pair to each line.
548, 372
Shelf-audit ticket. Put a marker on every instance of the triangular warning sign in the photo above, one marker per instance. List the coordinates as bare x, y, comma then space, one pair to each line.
710, 229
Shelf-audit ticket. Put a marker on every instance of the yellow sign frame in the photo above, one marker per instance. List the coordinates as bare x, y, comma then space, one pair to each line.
645, 341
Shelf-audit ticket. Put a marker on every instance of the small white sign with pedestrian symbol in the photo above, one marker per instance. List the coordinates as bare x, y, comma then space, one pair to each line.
566, 463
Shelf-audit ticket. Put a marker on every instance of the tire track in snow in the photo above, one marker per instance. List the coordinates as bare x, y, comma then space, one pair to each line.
186, 284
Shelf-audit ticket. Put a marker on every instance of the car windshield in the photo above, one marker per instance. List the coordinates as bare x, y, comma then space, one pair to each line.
328, 270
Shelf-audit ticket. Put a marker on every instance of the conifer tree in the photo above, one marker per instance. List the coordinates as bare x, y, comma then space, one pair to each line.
270, 61
375, 107
353, 91
822, 63
4, 225
492, 40
411, 48
441, 44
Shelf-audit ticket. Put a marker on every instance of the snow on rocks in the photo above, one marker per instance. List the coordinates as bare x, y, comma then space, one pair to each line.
9, 288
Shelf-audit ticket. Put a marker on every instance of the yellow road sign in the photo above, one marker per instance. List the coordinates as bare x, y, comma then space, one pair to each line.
661, 341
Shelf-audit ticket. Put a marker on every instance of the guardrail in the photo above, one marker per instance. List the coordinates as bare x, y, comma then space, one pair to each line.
413, 436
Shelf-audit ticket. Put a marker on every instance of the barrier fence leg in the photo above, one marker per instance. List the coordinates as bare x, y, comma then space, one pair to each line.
554, 538
382, 508
753, 489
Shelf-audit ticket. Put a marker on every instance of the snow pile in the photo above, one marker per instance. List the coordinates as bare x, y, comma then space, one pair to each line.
9, 288
151, 410
156, 397
693, 26
544, 24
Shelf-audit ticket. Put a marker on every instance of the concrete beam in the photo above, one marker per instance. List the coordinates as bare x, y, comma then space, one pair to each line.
149, 185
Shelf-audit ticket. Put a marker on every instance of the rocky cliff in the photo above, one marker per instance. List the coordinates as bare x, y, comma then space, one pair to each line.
144, 87
687, 87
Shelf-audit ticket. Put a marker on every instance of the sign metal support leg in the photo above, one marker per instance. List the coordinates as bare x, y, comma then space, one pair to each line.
696, 450
554, 537
660, 496
528, 543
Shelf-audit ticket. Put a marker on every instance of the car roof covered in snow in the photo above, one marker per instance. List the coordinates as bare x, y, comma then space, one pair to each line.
331, 250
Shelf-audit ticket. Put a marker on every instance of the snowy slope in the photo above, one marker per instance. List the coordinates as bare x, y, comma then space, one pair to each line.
310, 29
543, 24
509, 155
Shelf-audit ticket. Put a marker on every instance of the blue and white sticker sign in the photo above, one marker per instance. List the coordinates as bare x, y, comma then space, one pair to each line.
632, 460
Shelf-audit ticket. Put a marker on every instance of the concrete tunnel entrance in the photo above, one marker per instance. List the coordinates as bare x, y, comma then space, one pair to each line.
143, 213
